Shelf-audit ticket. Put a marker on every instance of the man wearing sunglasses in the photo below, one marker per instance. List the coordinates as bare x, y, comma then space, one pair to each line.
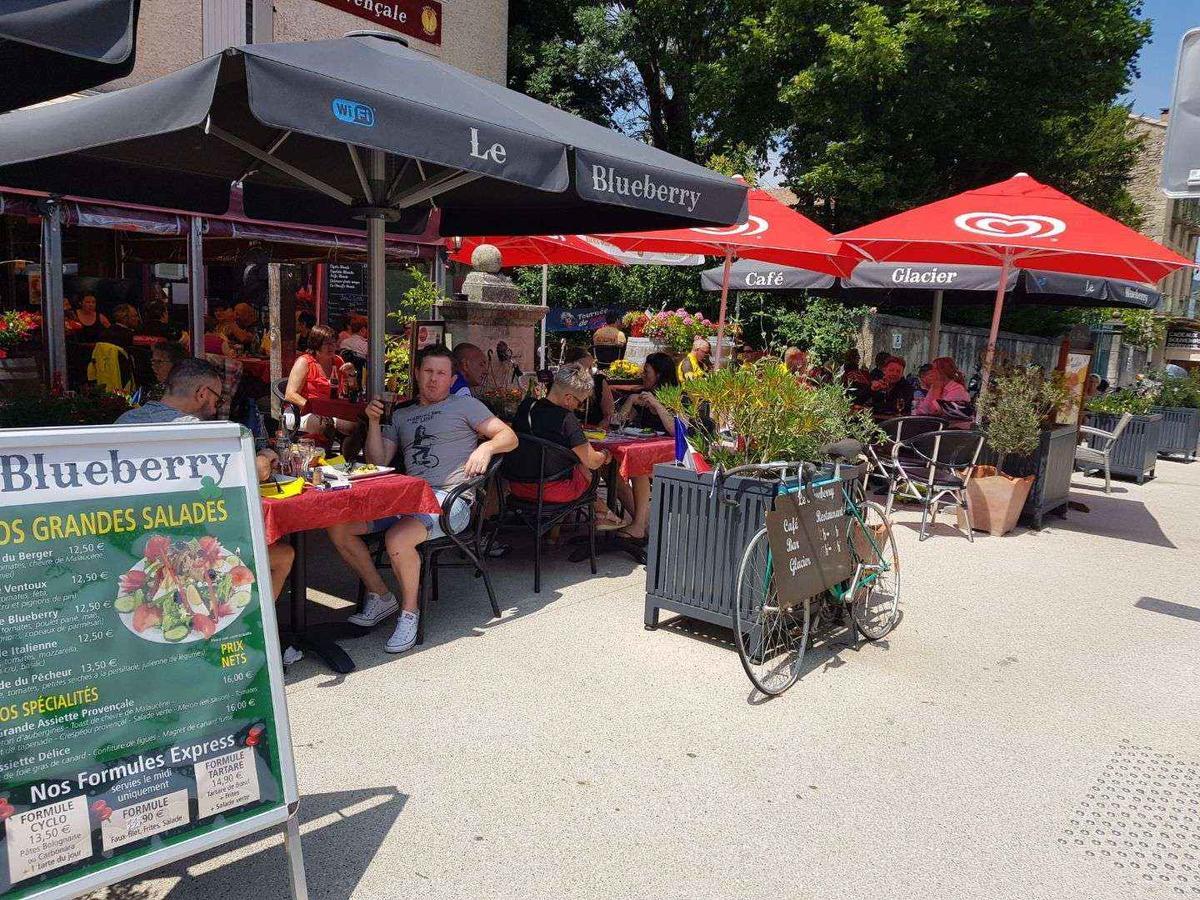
193, 394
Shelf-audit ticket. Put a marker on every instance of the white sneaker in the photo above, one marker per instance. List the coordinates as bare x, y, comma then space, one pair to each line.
292, 655
378, 608
405, 635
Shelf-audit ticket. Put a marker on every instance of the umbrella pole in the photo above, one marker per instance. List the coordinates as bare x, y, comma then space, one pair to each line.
376, 280
724, 299
196, 284
935, 326
52, 293
542, 342
989, 356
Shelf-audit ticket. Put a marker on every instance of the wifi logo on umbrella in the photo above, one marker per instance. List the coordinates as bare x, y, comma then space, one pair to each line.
1001, 225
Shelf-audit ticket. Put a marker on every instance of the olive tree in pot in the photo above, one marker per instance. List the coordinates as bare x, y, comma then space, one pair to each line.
1017, 404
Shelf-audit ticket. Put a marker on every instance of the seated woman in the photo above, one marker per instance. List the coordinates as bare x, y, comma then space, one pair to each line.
598, 410
553, 419
947, 397
643, 410
318, 374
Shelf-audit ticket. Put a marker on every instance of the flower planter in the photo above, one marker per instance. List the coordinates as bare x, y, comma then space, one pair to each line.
18, 375
1051, 465
1180, 431
1135, 452
996, 500
697, 542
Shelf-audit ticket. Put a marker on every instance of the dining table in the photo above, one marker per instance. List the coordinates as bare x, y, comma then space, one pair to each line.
368, 498
335, 408
630, 456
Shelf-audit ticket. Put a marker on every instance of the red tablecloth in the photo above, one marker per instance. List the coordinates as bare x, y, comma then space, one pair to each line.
256, 367
638, 456
367, 499
338, 409
147, 340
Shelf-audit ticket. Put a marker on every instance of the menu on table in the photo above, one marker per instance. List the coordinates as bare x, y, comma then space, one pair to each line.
140, 708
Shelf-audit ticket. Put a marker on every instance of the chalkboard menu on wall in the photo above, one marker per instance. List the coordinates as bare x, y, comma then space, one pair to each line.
346, 292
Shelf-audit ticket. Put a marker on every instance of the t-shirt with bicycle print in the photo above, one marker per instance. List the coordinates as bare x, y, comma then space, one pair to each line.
438, 439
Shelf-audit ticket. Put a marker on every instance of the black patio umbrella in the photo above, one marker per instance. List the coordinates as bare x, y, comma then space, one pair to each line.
49, 48
332, 132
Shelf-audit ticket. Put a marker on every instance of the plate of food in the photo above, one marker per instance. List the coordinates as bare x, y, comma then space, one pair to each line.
630, 431
355, 470
183, 590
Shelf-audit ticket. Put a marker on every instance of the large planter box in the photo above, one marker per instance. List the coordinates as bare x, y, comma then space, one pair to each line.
1180, 430
697, 542
1136, 451
1051, 465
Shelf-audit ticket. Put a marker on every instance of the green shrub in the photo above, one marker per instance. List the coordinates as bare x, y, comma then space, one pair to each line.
761, 413
1125, 400
1178, 392
1016, 405
40, 408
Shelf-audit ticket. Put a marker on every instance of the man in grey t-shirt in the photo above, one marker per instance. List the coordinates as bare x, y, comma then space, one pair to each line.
446, 440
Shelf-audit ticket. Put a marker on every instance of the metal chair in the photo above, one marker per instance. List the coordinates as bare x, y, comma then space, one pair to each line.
1089, 457
894, 465
469, 543
949, 458
541, 462
289, 412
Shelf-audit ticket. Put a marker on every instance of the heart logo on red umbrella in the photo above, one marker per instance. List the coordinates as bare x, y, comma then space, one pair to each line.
994, 224
752, 226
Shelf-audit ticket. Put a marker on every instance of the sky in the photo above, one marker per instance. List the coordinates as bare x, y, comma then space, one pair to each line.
1171, 18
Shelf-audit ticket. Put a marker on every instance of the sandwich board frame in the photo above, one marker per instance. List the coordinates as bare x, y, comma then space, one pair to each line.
232, 816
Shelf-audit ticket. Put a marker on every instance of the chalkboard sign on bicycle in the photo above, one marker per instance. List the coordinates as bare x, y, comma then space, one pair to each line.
807, 534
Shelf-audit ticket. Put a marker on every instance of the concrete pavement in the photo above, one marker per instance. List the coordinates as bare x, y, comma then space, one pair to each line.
1029, 731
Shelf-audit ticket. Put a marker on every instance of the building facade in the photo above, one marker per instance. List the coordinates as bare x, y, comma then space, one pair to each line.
1173, 223
469, 34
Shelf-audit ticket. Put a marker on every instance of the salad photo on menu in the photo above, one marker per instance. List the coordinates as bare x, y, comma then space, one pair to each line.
183, 590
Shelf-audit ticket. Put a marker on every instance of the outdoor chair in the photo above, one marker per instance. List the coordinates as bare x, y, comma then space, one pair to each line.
542, 462
607, 354
470, 544
949, 458
1092, 458
893, 464
289, 413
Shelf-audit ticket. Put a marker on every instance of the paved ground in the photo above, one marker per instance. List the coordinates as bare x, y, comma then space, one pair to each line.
1029, 731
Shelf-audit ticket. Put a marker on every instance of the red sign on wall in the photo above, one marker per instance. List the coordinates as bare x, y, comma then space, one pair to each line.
421, 19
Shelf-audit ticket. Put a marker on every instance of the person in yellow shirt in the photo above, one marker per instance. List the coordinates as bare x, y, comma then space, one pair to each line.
696, 364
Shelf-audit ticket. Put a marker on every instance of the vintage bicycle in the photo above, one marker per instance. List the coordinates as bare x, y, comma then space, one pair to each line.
772, 632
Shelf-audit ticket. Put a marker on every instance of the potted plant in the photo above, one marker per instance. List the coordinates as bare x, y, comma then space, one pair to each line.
1018, 403
673, 330
1135, 452
39, 408
1177, 400
18, 367
751, 414
622, 370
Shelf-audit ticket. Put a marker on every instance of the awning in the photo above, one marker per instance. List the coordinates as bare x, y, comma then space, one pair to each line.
49, 48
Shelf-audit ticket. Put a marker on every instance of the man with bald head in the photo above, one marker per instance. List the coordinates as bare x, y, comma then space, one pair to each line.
470, 370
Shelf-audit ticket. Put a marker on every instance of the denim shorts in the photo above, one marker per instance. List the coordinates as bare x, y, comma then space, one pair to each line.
460, 517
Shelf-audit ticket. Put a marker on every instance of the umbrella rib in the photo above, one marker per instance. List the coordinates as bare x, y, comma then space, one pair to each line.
300, 175
368, 194
439, 184
399, 177
275, 146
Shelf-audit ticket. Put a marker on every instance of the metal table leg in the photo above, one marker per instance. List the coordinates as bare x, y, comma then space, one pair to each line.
303, 636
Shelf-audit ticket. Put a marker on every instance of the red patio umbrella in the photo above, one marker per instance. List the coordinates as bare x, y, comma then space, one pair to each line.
773, 233
1019, 223
539, 250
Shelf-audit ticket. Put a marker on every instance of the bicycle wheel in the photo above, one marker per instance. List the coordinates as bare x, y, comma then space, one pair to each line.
876, 600
770, 640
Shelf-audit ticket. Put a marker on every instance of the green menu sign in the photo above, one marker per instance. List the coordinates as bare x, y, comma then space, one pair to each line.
141, 709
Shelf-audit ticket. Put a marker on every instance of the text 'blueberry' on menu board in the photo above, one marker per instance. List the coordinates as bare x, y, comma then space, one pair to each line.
139, 709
